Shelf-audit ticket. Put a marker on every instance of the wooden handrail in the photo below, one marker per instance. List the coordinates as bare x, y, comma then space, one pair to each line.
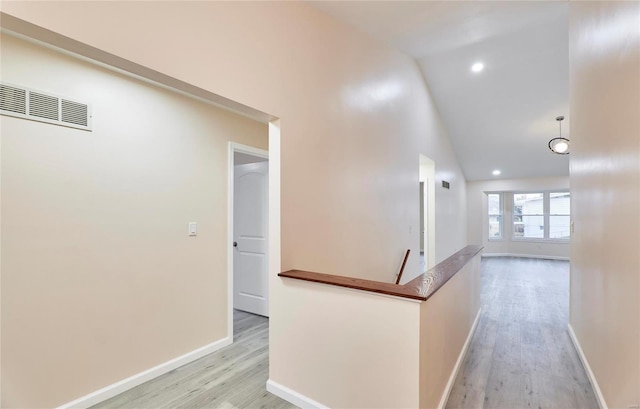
420, 288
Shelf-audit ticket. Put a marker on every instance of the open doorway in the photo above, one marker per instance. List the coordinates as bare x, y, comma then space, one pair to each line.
427, 213
249, 229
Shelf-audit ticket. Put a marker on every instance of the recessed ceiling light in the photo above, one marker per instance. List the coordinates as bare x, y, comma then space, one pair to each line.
496, 172
477, 67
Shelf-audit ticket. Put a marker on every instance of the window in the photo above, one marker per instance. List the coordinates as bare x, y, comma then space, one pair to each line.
559, 215
494, 201
528, 215
541, 216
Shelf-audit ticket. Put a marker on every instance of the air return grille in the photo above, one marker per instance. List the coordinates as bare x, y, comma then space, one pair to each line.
13, 99
43, 106
25, 103
74, 112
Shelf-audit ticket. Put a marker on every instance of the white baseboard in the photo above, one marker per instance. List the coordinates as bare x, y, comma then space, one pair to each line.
142, 377
525, 256
592, 378
456, 368
292, 396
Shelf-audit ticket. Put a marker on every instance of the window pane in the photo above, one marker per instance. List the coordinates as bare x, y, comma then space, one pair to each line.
494, 204
495, 226
559, 227
528, 203
560, 203
528, 226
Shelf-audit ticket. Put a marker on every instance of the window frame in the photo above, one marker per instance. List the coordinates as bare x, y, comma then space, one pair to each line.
543, 215
546, 207
549, 214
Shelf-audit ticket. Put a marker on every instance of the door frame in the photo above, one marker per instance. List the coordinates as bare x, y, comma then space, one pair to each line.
427, 174
249, 150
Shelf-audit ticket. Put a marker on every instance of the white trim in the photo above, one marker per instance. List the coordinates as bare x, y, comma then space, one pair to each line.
525, 256
144, 376
230, 177
275, 265
249, 150
293, 397
456, 368
592, 378
540, 240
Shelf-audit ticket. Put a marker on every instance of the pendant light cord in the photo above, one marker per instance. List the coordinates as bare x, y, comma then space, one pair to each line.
560, 121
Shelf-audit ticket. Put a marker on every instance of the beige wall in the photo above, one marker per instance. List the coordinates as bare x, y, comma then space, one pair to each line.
354, 115
478, 222
446, 320
354, 349
605, 188
100, 280
348, 348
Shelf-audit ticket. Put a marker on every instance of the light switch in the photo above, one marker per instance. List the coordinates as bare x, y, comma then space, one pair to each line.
193, 229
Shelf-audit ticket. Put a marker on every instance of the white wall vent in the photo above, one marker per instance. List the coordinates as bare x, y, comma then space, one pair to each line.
26, 103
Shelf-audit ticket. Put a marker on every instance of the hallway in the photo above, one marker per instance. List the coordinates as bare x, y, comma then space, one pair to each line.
521, 355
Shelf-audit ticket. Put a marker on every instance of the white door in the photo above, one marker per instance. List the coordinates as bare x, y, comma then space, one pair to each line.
250, 226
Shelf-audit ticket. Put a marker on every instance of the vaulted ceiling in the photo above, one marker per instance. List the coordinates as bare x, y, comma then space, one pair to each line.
503, 116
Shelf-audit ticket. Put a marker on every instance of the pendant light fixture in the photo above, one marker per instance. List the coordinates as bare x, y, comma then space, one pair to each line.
559, 145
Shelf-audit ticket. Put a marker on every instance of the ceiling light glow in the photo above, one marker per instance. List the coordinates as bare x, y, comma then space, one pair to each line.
477, 67
560, 147
496, 172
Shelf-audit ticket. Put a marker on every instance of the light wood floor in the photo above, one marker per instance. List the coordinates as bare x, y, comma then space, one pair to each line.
521, 355
233, 377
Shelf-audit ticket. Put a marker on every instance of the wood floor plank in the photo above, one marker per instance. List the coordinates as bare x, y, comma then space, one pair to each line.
520, 356
232, 378
474, 372
526, 360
